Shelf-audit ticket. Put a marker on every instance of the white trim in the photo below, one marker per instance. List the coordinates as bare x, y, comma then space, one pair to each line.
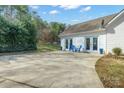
114, 18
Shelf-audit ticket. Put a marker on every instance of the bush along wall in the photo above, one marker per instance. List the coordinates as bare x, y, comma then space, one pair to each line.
17, 35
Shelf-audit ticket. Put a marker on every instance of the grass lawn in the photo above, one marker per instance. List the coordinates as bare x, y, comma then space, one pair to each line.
111, 72
44, 47
41, 47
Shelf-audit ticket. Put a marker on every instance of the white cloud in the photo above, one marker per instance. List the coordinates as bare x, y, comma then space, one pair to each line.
88, 8
69, 7
34, 7
75, 20
53, 12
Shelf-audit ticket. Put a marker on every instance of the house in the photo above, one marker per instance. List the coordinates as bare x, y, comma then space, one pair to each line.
104, 33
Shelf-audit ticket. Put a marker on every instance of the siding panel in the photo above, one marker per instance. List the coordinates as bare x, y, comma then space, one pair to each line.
115, 34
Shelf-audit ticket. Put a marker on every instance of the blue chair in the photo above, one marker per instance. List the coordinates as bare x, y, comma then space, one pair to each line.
75, 49
71, 47
79, 49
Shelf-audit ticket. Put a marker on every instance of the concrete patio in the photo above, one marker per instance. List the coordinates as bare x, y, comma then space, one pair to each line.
49, 70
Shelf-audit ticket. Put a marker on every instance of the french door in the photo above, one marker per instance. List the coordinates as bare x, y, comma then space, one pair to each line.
95, 43
87, 43
66, 43
92, 43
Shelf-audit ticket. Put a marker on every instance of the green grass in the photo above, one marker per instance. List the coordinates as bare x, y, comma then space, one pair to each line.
111, 72
45, 47
41, 47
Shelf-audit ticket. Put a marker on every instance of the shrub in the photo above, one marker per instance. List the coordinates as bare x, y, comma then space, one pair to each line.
117, 51
16, 35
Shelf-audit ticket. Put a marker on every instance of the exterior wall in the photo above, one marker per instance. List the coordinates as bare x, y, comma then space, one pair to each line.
115, 34
102, 41
80, 40
63, 43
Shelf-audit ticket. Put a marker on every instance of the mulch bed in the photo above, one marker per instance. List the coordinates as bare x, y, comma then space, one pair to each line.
111, 71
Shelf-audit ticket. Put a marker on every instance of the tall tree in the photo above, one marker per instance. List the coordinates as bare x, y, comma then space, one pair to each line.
56, 28
39, 24
20, 33
22, 10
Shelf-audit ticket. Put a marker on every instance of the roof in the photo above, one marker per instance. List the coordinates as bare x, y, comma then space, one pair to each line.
88, 26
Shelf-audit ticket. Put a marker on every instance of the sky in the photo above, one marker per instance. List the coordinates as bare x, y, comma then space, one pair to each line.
72, 14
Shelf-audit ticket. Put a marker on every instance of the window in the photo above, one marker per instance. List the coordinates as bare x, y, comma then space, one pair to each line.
66, 44
71, 42
87, 43
94, 43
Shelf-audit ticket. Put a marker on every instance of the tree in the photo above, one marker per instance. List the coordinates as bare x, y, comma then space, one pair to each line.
56, 28
24, 28
19, 34
14, 11
40, 26
20, 11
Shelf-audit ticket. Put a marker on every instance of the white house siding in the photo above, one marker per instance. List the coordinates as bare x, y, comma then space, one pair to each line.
115, 34
102, 41
63, 43
80, 40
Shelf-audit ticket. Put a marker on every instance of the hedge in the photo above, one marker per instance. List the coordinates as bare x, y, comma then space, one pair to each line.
16, 35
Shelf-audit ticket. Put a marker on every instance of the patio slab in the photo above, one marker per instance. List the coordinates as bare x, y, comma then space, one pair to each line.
49, 70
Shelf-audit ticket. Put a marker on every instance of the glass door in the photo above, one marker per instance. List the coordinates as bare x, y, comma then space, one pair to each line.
95, 43
71, 42
66, 43
87, 43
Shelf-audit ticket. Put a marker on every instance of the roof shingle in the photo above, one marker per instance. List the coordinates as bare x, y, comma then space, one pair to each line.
88, 25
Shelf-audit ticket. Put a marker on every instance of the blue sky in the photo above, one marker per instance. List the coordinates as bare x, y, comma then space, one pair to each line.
72, 14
